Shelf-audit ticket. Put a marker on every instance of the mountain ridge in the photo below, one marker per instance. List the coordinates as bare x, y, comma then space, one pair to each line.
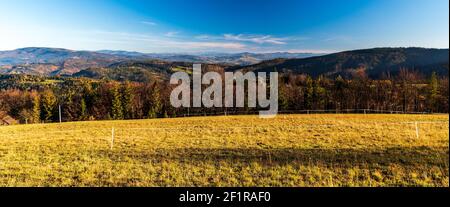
56, 56
374, 62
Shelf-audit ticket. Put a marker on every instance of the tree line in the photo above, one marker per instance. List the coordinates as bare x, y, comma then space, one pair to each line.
86, 99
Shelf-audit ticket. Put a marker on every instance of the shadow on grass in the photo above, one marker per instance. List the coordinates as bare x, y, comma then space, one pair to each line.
413, 156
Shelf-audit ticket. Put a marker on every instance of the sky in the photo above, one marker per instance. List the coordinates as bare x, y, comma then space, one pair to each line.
223, 26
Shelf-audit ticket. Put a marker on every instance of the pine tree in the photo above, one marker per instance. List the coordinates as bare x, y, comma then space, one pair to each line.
128, 97
36, 109
434, 91
152, 114
309, 93
339, 87
156, 106
319, 94
173, 114
283, 99
48, 104
117, 110
70, 110
83, 109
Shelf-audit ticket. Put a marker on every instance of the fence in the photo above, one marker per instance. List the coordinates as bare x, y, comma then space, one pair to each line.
415, 124
124, 133
329, 111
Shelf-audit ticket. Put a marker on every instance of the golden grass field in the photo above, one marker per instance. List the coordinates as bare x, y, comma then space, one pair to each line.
290, 150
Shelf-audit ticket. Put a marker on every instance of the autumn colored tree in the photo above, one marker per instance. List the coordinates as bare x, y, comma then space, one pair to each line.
82, 99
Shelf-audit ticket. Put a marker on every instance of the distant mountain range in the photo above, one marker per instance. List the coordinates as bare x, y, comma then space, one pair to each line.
54, 61
134, 66
212, 58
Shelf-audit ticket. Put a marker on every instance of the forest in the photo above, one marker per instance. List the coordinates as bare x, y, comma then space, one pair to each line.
36, 99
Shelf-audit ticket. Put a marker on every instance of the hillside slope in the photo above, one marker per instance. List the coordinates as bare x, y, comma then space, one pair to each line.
143, 71
375, 62
137, 71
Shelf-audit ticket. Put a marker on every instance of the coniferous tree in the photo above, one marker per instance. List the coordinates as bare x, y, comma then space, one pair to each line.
83, 109
36, 109
117, 110
48, 104
156, 105
128, 97
339, 92
309, 93
70, 110
283, 100
434, 91
319, 93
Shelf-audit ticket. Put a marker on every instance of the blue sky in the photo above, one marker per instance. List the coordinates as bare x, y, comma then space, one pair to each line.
223, 25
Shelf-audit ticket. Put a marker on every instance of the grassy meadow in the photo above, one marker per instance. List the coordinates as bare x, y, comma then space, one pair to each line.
290, 150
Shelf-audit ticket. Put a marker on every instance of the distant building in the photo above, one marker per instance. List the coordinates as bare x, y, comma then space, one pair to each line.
7, 120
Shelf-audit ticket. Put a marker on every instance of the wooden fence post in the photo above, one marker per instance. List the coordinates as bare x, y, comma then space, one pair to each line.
417, 129
112, 138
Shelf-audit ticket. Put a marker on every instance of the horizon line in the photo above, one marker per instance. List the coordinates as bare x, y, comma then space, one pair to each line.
320, 52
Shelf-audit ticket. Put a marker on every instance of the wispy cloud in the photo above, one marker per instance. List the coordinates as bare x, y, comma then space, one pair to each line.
174, 42
254, 39
199, 45
203, 37
149, 23
171, 34
259, 39
338, 38
309, 51
168, 42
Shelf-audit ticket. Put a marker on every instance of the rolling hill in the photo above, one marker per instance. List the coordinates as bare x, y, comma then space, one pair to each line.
142, 71
374, 62
138, 71
241, 59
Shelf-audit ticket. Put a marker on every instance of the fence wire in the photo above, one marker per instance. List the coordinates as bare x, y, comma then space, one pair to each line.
117, 132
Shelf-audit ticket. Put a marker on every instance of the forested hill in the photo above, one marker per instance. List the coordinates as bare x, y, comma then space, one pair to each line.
373, 62
135, 71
